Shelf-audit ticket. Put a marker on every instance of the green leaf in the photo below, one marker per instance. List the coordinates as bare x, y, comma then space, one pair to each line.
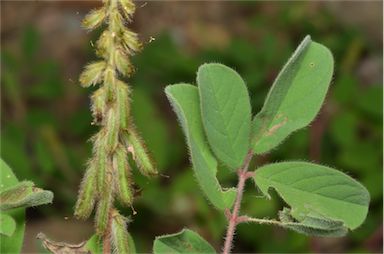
317, 191
7, 225
226, 112
24, 194
295, 97
185, 101
186, 241
312, 226
11, 244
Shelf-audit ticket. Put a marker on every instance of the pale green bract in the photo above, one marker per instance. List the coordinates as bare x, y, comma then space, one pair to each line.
185, 101
226, 112
316, 191
296, 96
186, 241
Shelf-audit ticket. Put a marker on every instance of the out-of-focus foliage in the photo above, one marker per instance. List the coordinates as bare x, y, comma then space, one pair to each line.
46, 123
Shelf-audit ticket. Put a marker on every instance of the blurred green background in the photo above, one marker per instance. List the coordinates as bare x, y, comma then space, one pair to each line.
45, 116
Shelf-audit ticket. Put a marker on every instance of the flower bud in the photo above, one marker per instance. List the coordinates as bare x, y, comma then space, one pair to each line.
122, 176
115, 21
103, 209
101, 163
92, 74
110, 83
130, 42
122, 62
139, 152
123, 104
112, 127
87, 194
98, 105
94, 18
120, 236
104, 43
128, 8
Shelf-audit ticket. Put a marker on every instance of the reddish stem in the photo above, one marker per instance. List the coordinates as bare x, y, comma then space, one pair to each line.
107, 236
233, 217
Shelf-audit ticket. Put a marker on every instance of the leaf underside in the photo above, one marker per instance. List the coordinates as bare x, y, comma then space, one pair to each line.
295, 97
316, 191
24, 194
185, 101
186, 241
226, 112
312, 226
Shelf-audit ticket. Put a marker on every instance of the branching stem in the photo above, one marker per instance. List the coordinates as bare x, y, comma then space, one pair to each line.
233, 217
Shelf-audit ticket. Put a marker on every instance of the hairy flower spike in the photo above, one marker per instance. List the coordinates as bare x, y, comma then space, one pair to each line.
108, 177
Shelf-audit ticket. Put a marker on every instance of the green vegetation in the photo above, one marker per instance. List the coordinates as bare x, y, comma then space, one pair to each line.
15, 197
323, 201
46, 121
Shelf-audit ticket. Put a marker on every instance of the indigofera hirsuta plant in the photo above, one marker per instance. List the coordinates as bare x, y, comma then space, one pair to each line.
216, 118
107, 179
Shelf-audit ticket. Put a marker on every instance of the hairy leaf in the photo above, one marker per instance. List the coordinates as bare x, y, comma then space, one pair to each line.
11, 244
226, 112
186, 241
24, 194
295, 97
185, 101
315, 190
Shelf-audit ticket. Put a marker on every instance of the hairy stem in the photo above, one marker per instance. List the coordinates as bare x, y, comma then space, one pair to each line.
247, 219
107, 235
233, 216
